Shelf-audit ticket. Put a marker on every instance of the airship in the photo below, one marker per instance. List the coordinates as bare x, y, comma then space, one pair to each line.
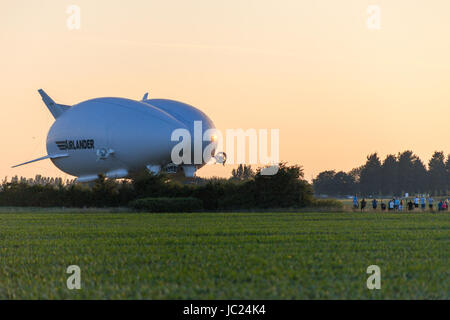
116, 137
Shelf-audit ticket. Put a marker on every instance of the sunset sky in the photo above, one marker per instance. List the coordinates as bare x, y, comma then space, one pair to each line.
335, 89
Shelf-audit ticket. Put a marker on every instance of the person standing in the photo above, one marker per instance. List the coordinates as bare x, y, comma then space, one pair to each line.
391, 205
416, 202
444, 205
374, 204
410, 205
363, 204
430, 203
355, 202
396, 203
422, 203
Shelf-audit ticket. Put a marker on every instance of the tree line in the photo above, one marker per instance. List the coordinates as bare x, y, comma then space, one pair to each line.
246, 189
394, 176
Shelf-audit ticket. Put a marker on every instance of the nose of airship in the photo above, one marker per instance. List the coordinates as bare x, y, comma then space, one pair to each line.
198, 123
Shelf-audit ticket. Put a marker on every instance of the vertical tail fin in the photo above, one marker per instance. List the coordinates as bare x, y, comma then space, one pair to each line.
55, 109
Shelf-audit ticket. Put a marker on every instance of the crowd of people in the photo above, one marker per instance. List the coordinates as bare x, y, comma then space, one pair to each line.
400, 204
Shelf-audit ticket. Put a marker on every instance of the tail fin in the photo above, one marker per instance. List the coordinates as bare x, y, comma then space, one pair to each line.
50, 156
55, 109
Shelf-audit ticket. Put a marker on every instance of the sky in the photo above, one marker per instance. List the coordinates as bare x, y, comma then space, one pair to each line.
336, 88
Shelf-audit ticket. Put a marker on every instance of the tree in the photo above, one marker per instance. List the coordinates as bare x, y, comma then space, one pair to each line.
286, 188
389, 175
420, 176
104, 192
437, 173
447, 168
370, 176
406, 172
356, 174
345, 184
336, 184
324, 183
243, 172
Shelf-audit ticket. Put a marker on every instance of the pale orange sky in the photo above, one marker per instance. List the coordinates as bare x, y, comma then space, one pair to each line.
336, 90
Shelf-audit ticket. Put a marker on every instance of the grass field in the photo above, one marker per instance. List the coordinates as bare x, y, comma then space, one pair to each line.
224, 255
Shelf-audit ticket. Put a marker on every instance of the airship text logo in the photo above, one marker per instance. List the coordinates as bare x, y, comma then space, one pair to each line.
75, 144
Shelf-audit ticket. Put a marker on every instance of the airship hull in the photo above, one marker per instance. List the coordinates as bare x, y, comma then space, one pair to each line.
133, 135
116, 136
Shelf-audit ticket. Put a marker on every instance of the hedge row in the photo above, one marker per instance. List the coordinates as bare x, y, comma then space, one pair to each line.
285, 189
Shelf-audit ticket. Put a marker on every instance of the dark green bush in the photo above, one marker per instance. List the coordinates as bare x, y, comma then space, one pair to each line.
167, 204
285, 189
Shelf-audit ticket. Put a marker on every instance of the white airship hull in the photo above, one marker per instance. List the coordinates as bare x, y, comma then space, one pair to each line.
116, 136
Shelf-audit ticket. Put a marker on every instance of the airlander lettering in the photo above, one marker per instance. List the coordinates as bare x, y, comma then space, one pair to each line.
75, 144
235, 153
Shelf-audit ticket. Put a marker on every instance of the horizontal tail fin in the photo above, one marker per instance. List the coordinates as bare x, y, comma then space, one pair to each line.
50, 156
55, 109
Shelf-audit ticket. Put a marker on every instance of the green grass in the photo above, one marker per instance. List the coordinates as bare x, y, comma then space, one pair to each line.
224, 255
